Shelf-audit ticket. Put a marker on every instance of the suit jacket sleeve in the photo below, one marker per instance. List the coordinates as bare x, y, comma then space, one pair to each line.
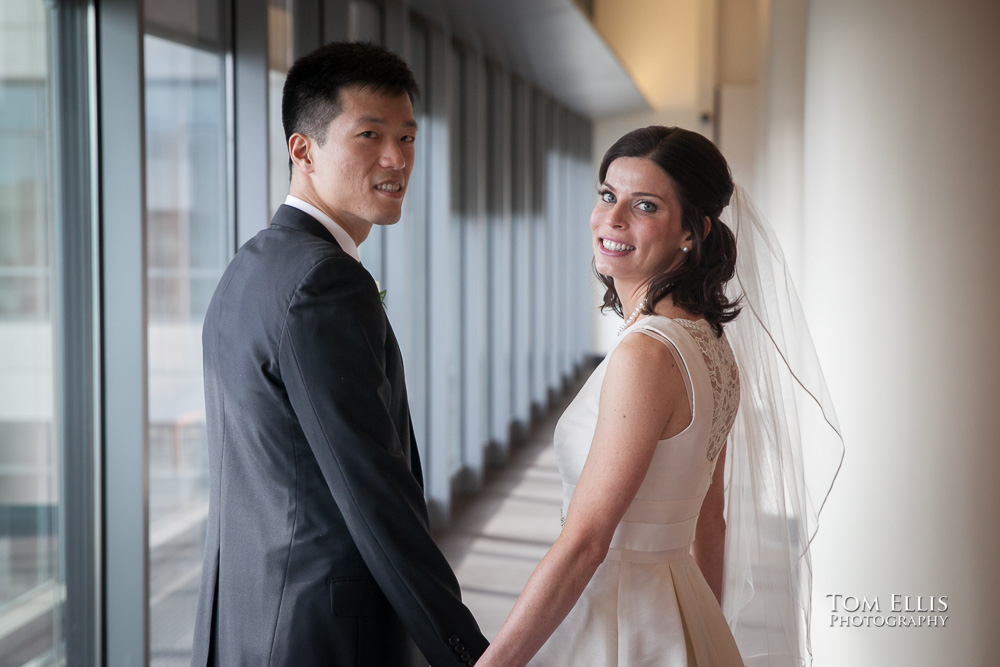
332, 360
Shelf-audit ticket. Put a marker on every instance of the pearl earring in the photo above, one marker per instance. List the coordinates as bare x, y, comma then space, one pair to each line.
685, 249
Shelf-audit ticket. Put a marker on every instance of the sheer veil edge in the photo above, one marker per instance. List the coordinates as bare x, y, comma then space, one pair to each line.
783, 453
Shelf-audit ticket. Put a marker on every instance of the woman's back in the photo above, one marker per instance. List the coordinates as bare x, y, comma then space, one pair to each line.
648, 603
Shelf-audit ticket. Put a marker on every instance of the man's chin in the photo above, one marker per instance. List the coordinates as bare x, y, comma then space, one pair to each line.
387, 218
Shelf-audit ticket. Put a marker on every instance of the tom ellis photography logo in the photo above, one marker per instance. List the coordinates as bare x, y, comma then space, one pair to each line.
897, 611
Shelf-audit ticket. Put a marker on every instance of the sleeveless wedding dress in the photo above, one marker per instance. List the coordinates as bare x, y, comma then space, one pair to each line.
648, 603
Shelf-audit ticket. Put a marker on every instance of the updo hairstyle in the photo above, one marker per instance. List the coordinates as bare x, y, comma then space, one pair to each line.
704, 186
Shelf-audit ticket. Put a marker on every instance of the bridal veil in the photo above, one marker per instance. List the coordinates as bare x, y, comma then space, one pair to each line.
784, 452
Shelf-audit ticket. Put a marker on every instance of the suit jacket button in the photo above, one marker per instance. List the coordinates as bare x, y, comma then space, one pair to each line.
454, 639
459, 648
465, 656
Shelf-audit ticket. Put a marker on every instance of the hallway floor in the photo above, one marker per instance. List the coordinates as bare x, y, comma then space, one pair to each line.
499, 535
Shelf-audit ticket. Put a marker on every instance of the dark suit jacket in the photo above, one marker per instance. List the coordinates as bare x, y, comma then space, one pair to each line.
318, 550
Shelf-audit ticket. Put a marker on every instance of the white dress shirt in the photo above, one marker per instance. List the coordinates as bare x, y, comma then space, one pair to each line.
339, 233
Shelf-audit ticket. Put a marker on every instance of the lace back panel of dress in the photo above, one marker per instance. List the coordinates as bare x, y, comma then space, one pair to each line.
725, 378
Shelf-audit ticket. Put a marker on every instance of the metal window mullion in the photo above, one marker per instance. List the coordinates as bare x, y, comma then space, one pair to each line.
334, 15
122, 193
75, 267
474, 263
249, 76
443, 277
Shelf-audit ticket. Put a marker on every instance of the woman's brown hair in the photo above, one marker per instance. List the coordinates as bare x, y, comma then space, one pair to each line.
704, 186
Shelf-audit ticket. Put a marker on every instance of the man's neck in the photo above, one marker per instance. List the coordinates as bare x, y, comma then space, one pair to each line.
357, 230
340, 235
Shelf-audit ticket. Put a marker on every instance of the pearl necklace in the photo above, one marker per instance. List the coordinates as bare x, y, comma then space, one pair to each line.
631, 318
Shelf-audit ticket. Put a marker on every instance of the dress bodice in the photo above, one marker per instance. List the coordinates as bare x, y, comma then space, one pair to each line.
664, 512
648, 604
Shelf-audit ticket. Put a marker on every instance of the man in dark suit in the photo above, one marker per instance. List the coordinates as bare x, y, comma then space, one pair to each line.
318, 549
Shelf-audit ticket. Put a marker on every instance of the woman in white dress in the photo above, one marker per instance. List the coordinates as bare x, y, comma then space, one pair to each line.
636, 576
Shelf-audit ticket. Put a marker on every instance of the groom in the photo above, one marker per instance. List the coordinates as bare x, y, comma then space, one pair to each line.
318, 550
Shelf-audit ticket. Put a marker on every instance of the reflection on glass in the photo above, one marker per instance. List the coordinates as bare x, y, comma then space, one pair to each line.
31, 587
188, 235
280, 55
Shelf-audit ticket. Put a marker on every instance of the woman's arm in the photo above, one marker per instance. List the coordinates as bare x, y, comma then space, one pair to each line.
709, 544
642, 397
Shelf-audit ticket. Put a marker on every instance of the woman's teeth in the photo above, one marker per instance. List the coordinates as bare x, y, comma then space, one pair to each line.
613, 245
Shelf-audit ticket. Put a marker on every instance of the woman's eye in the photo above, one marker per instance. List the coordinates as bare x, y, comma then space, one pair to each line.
646, 206
608, 197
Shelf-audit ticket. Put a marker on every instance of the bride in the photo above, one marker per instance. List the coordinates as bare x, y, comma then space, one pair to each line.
643, 562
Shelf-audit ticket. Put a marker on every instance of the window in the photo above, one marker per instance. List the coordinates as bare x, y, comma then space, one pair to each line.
280, 56
31, 585
189, 237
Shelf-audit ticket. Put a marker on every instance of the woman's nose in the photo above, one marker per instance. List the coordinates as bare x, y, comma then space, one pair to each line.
616, 217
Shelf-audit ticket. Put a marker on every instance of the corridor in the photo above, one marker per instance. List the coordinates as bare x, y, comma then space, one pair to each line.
499, 535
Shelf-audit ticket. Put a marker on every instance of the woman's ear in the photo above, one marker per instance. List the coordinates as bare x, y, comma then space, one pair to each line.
686, 239
708, 228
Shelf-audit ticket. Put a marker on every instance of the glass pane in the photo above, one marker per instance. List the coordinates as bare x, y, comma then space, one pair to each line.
188, 241
280, 50
31, 586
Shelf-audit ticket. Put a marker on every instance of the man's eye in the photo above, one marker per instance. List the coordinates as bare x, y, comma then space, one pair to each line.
646, 206
368, 134
409, 138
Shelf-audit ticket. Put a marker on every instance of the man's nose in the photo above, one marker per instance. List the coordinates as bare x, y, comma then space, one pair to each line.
393, 156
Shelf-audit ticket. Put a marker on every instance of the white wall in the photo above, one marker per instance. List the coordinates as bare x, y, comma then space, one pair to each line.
901, 263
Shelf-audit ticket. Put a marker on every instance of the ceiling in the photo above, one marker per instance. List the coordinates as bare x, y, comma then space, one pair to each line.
551, 43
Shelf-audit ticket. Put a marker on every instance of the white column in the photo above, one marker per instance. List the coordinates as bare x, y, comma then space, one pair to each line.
901, 247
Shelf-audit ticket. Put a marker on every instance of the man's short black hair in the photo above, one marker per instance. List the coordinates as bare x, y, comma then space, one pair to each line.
310, 99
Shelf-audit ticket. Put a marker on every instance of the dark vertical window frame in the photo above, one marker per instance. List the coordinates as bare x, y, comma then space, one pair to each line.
422, 307
521, 183
78, 399
366, 22
334, 19
125, 445
541, 283
307, 26
474, 263
249, 118
502, 317
396, 38
443, 337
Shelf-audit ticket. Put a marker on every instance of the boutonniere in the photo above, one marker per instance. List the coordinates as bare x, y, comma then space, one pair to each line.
381, 292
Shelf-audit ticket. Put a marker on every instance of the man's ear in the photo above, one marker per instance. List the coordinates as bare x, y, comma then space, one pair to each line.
299, 149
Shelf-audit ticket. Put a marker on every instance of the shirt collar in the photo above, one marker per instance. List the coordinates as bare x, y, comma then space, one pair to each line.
339, 233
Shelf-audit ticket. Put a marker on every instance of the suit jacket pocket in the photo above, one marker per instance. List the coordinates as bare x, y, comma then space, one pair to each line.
356, 596
378, 638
